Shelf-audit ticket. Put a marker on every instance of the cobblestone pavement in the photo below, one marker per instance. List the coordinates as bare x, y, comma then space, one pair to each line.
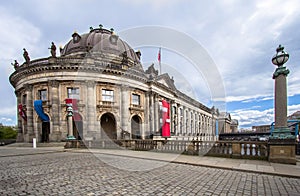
66, 173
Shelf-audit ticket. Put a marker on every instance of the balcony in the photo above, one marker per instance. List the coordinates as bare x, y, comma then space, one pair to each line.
134, 107
106, 105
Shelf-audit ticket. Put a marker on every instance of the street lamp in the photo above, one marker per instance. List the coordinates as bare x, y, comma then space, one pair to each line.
281, 142
280, 75
280, 57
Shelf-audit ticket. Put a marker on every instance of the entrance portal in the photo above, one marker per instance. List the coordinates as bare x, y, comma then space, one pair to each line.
136, 127
108, 126
77, 129
45, 131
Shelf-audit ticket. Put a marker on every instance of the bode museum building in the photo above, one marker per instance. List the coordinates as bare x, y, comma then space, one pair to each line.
97, 89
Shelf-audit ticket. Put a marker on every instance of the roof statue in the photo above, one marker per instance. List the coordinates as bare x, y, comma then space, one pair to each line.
53, 49
15, 64
26, 56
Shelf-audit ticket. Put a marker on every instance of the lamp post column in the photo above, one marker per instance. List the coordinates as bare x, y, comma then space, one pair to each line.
281, 142
281, 99
70, 122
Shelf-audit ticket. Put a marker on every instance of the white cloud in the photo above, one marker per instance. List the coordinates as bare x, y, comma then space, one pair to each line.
17, 33
293, 108
7, 121
8, 111
249, 98
252, 116
240, 38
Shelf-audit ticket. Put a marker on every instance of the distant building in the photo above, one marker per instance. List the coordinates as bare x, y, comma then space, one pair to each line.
99, 81
294, 116
234, 126
261, 128
226, 124
292, 122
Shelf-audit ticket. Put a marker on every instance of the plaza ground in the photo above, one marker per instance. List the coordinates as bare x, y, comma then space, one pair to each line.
56, 171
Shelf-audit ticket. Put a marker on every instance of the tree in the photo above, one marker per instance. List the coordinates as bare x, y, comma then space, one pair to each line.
7, 132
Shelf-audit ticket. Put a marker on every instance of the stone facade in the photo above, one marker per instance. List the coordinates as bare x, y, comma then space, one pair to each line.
114, 96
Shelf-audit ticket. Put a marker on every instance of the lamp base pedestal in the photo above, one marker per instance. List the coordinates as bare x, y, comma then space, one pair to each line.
282, 151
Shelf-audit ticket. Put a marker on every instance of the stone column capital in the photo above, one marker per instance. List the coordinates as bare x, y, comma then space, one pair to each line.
90, 83
28, 87
53, 83
18, 93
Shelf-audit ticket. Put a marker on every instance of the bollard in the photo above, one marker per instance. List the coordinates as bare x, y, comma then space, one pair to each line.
34, 142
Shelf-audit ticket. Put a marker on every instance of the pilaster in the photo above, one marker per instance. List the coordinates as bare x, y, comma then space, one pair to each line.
29, 112
55, 133
91, 108
124, 104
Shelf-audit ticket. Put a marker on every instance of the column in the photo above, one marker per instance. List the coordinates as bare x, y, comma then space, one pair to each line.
20, 136
280, 101
91, 109
124, 104
55, 133
146, 124
156, 115
178, 120
29, 112
151, 115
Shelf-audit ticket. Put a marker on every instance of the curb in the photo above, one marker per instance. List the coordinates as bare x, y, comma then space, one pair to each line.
194, 164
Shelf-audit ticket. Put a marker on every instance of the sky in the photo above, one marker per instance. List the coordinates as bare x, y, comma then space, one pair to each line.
240, 38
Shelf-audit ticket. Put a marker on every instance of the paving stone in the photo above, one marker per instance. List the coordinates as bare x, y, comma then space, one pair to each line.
67, 173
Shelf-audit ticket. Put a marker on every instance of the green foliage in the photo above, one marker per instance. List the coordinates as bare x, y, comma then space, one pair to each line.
7, 133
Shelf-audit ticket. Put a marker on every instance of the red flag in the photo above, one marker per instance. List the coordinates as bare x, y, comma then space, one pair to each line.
165, 119
22, 112
158, 57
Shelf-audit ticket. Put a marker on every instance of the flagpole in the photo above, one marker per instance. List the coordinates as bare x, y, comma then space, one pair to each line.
159, 60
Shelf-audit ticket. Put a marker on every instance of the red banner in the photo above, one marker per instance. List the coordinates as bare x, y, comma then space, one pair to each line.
22, 112
165, 119
76, 115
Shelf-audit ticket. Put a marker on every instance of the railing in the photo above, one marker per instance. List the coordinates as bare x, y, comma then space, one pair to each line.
229, 149
232, 149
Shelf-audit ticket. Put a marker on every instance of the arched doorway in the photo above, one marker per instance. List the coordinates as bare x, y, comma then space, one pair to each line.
136, 127
108, 126
45, 131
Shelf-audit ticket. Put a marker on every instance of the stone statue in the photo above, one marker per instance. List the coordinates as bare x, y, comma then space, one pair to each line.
61, 49
15, 64
26, 56
53, 50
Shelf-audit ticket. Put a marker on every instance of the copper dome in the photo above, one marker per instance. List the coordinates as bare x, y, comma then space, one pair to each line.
98, 40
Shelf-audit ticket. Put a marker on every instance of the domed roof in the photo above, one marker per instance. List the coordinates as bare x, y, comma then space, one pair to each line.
99, 40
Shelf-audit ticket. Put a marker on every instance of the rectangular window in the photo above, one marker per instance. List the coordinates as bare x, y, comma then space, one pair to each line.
43, 95
107, 95
73, 93
24, 99
136, 99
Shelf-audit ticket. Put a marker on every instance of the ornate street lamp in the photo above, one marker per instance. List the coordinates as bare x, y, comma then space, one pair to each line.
281, 142
280, 57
